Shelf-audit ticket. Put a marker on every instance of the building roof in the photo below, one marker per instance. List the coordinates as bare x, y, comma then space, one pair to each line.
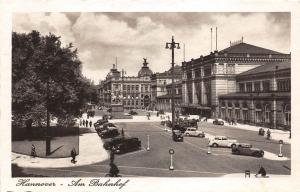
145, 71
268, 67
248, 48
168, 74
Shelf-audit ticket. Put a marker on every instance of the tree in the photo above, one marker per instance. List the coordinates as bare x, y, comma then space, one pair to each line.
46, 77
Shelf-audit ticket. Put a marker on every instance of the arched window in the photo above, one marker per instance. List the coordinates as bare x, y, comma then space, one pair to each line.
287, 114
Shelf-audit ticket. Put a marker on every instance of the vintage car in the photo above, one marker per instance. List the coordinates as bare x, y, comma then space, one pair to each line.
218, 122
177, 135
126, 145
109, 133
100, 122
105, 126
261, 131
247, 149
222, 141
191, 131
131, 112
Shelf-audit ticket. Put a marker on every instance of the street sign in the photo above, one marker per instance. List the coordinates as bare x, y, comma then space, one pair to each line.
280, 142
171, 151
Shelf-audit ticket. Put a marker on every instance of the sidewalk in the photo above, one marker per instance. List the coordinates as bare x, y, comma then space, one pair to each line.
90, 151
275, 133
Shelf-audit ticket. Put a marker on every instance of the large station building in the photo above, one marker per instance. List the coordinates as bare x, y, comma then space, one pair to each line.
208, 77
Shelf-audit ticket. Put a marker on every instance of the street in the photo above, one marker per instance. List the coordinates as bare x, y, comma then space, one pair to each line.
190, 158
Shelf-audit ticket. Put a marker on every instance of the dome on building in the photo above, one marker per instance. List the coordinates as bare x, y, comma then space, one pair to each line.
113, 72
145, 70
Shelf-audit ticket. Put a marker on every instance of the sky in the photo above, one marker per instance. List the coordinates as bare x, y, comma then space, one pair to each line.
101, 37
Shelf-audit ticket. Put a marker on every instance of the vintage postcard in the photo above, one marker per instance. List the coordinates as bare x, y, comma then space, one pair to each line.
140, 96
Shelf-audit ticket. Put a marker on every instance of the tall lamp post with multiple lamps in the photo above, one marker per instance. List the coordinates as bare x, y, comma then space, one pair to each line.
172, 46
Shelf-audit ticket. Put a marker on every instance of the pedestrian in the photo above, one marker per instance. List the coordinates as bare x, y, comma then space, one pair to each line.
268, 134
112, 156
91, 123
86, 123
73, 155
122, 132
261, 172
33, 152
80, 122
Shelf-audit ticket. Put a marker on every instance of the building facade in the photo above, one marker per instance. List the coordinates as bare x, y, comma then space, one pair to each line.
159, 82
263, 97
132, 91
206, 78
164, 102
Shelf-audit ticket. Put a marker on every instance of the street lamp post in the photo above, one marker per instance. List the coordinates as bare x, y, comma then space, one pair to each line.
172, 46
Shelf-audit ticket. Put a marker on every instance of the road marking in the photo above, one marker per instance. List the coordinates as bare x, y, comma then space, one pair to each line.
131, 153
68, 170
161, 169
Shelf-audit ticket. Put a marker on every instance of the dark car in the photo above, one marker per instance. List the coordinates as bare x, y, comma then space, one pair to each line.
113, 141
177, 135
132, 112
105, 126
218, 122
261, 131
126, 145
109, 133
182, 128
247, 149
100, 122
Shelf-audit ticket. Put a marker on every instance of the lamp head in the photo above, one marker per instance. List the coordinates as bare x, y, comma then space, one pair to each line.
167, 47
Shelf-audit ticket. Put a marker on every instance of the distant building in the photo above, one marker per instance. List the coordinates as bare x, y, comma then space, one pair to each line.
206, 78
159, 82
164, 102
263, 97
134, 92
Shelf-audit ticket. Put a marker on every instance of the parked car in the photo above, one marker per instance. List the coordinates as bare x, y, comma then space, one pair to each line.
247, 149
180, 127
100, 122
105, 126
261, 131
115, 141
125, 145
218, 122
109, 133
191, 131
177, 135
222, 141
131, 112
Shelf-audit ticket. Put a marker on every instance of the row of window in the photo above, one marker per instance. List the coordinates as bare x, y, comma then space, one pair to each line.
264, 86
131, 88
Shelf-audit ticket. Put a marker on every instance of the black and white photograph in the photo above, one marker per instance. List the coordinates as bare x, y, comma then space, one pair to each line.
146, 98
151, 94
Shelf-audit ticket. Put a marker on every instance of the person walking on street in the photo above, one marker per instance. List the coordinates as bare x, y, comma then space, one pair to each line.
91, 123
122, 132
73, 155
86, 123
80, 122
261, 172
268, 134
33, 152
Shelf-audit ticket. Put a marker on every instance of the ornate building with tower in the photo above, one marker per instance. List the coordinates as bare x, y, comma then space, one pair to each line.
132, 91
206, 78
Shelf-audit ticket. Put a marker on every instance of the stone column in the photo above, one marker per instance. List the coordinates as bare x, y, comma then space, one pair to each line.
195, 99
273, 120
